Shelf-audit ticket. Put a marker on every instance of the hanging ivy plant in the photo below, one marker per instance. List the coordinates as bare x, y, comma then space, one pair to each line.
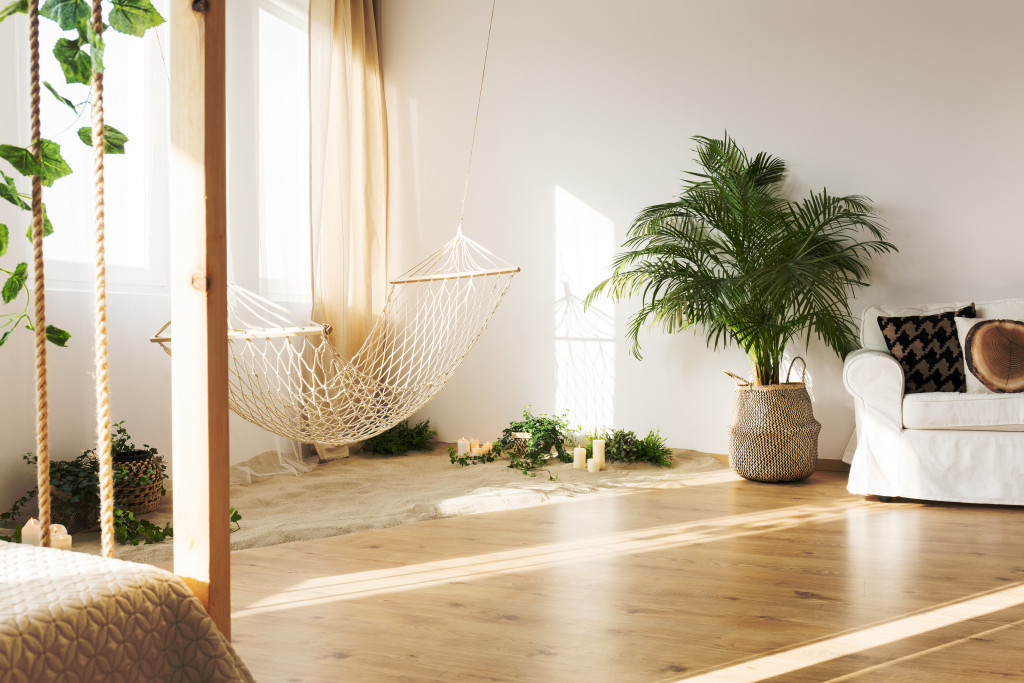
80, 55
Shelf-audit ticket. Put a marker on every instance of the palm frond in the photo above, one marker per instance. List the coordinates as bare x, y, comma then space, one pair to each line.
747, 266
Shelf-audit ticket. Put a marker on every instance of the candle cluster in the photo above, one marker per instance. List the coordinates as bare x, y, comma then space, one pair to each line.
473, 447
595, 464
32, 533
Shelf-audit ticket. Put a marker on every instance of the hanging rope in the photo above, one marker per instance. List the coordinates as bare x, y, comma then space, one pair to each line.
476, 117
101, 362
39, 318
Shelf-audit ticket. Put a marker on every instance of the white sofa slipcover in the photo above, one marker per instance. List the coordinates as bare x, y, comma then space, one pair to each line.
955, 447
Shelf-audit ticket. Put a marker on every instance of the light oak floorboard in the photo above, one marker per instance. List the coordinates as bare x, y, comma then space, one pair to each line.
724, 580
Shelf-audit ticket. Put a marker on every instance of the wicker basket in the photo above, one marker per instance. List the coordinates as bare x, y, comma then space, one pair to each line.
134, 497
520, 442
773, 436
76, 517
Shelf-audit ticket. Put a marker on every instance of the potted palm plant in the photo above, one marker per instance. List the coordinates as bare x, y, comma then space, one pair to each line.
735, 258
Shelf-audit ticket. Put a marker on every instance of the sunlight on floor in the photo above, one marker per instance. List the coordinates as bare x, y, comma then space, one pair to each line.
423, 575
792, 659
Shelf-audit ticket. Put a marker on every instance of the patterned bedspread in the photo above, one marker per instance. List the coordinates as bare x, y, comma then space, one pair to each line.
68, 616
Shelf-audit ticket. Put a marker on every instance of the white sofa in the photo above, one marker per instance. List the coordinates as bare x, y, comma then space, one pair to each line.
935, 446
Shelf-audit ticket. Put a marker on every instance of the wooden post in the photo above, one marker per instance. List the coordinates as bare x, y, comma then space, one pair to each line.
199, 397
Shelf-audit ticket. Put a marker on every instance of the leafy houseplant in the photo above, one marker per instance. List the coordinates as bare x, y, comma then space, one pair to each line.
733, 256
622, 445
736, 258
80, 55
401, 439
547, 434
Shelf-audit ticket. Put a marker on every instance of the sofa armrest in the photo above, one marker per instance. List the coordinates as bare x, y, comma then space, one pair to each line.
875, 380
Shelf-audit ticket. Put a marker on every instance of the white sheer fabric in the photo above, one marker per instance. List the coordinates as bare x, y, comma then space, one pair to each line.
268, 188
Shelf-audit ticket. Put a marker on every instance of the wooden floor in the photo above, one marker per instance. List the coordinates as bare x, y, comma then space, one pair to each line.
718, 580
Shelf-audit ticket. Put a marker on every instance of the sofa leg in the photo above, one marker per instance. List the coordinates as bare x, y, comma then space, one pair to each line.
885, 499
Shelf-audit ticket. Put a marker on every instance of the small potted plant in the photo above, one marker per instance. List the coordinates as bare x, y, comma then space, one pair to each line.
139, 473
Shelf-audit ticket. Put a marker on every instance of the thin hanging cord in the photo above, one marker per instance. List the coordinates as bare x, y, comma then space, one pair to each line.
476, 118
39, 322
106, 473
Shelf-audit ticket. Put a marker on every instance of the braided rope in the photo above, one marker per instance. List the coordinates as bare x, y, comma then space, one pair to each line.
101, 362
39, 317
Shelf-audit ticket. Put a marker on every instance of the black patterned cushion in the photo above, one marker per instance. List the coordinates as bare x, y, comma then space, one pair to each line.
928, 350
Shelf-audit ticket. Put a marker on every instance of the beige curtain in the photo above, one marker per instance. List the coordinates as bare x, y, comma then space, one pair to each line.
348, 170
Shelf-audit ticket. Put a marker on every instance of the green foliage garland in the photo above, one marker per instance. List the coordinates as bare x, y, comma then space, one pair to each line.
80, 55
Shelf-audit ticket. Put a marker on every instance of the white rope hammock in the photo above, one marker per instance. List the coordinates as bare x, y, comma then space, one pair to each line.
287, 377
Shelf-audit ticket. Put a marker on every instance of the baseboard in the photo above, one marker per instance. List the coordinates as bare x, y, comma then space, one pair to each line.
823, 465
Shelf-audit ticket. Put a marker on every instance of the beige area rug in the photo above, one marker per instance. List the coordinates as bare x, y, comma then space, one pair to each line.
365, 492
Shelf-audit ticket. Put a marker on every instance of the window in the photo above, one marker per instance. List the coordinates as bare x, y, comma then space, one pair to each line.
135, 102
284, 150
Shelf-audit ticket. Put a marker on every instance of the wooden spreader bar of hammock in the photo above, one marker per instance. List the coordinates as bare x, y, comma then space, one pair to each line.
257, 333
455, 276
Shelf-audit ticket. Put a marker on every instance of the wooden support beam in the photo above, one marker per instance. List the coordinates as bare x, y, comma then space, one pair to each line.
199, 305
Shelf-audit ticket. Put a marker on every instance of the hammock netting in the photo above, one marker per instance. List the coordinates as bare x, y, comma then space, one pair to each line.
287, 377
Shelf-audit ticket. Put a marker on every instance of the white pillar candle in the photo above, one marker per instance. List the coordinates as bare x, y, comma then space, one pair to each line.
592, 466
488, 446
463, 446
579, 458
57, 529
60, 541
474, 443
31, 533
477, 451
599, 453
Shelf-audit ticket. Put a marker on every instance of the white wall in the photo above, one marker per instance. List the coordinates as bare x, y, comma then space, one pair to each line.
587, 113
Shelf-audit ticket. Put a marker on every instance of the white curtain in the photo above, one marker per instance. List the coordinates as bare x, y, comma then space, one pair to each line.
348, 162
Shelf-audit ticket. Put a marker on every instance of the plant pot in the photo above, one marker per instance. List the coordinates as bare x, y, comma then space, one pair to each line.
521, 442
773, 436
129, 492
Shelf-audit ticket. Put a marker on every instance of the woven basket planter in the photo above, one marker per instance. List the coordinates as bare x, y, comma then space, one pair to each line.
773, 436
132, 495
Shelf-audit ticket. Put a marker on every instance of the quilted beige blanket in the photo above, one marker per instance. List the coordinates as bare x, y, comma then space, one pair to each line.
68, 616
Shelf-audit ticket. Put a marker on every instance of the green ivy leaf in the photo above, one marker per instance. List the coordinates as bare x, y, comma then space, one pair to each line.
21, 158
7, 334
68, 13
47, 226
16, 7
51, 163
114, 140
57, 336
60, 98
5, 238
74, 62
14, 283
50, 167
96, 47
9, 191
134, 17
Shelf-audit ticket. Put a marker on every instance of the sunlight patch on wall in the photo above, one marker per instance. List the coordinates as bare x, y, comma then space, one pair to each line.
584, 339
